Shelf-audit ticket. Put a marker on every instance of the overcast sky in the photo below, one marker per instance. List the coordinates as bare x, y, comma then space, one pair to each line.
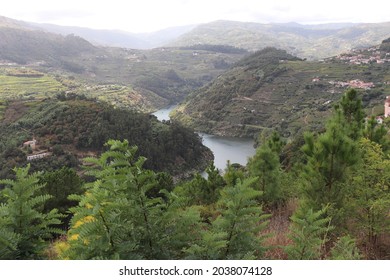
152, 15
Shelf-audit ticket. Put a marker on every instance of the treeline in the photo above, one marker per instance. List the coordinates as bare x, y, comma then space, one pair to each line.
336, 185
216, 48
266, 57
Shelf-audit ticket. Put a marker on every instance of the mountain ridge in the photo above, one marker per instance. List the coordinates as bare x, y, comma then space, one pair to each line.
306, 41
119, 38
311, 41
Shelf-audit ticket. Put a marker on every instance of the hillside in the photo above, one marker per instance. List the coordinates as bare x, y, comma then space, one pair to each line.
157, 77
103, 37
27, 46
25, 83
304, 41
171, 73
117, 38
150, 79
71, 129
273, 90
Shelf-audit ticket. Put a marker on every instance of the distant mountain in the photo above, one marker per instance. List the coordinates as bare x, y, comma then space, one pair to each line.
118, 38
13, 23
112, 38
26, 46
22, 44
159, 75
305, 41
271, 89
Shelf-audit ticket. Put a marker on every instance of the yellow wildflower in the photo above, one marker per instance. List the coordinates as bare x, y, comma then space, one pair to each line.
74, 237
86, 219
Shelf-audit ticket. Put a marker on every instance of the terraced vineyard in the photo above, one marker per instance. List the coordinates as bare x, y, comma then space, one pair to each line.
28, 86
273, 90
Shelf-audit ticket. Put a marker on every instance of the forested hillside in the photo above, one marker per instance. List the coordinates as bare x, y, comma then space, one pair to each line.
271, 89
330, 201
72, 129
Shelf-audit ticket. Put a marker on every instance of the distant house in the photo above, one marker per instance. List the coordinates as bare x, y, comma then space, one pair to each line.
31, 143
379, 120
387, 107
37, 156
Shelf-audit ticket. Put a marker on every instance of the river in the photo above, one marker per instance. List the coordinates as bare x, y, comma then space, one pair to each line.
235, 149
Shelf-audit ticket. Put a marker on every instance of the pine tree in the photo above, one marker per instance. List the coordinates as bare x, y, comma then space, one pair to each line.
265, 165
351, 109
330, 159
202, 191
276, 143
232, 174
369, 197
215, 184
24, 226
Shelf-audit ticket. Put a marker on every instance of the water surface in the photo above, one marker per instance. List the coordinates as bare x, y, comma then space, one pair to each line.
224, 148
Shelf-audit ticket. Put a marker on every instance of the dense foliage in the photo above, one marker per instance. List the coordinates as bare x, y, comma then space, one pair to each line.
20, 46
273, 90
72, 128
339, 189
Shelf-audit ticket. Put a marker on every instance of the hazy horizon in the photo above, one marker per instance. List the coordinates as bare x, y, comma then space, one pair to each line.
151, 15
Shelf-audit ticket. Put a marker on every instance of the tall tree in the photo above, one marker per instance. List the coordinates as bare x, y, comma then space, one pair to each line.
369, 197
330, 158
266, 167
233, 173
351, 109
115, 219
24, 226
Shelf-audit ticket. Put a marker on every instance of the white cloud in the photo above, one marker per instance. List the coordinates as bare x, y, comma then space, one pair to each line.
148, 15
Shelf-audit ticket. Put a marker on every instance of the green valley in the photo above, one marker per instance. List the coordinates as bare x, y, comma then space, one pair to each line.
88, 172
272, 90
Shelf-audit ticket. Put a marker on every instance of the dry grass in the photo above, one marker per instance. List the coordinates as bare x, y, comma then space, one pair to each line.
278, 231
379, 249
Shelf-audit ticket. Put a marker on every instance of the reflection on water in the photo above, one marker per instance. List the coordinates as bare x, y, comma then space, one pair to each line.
235, 149
163, 114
